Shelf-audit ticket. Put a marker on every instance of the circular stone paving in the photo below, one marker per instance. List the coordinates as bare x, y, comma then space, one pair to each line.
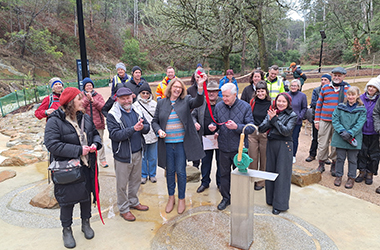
207, 228
16, 210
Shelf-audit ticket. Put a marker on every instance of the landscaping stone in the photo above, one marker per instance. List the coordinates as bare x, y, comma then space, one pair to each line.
7, 174
303, 177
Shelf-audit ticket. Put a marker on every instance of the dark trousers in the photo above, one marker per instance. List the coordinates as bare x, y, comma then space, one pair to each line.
352, 157
296, 135
314, 142
369, 155
206, 167
226, 161
279, 160
196, 163
67, 213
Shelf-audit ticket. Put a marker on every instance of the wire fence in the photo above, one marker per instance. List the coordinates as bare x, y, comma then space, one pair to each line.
25, 96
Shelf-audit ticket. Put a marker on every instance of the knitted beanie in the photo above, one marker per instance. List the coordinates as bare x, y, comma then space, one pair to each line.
54, 80
375, 82
68, 94
136, 68
326, 76
145, 87
121, 65
87, 80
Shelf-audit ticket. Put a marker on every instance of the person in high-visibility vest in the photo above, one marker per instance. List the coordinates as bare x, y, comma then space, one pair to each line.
275, 85
170, 75
120, 79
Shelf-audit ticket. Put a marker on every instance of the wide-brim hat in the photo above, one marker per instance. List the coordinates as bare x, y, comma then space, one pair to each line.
212, 85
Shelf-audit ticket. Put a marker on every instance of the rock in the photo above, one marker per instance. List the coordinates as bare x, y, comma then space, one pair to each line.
303, 177
11, 162
193, 174
45, 198
22, 147
7, 174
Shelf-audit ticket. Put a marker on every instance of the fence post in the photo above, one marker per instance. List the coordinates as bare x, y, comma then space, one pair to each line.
1, 107
17, 99
23, 90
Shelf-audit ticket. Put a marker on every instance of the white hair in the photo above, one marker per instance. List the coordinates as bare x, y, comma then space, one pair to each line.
297, 81
229, 86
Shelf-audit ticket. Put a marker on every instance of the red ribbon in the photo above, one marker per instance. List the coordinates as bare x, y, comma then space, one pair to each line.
97, 187
209, 104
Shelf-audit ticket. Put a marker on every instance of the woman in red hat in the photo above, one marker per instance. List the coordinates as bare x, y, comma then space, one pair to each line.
71, 134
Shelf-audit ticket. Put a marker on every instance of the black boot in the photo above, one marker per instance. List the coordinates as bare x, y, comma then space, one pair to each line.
87, 230
321, 167
68, 239
332, 169
362, 175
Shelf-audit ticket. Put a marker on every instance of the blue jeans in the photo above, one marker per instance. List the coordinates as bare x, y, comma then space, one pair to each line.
206, 167
149, 161
176, 163
296, 135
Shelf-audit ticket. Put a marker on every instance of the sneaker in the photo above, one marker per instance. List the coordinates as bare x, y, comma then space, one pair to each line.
310, 158
143, 180
294, 159
153, 179
104, 164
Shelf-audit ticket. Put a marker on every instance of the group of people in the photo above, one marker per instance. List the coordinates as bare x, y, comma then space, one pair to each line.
145, 133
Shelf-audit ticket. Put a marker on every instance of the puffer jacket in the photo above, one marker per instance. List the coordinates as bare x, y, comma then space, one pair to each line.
97, 106
368, 128
62, 141
281, 126
240, 112
351, 121
149, 105
120, 134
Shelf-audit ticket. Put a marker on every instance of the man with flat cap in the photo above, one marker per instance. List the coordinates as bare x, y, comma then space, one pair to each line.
126, 127
202, 118
330, 96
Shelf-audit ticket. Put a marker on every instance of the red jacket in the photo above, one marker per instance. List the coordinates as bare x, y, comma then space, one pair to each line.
51, 101
97, 106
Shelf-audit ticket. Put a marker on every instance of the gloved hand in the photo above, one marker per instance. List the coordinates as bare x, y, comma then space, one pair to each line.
345, 136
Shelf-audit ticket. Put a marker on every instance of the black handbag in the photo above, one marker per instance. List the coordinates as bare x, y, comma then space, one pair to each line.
65, 172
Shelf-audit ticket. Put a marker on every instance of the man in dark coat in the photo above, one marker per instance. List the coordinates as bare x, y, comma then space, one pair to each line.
234, 114
126, 127
136, 82
202, 118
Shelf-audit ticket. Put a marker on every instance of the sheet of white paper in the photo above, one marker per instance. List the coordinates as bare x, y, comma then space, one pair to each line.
209, 142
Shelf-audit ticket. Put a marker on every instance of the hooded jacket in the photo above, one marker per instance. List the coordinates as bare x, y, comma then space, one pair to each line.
150, 106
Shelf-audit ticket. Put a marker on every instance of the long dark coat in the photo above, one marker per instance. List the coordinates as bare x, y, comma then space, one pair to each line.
191, 141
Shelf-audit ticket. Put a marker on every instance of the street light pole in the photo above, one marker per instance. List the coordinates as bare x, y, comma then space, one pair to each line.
323, 36
82, 40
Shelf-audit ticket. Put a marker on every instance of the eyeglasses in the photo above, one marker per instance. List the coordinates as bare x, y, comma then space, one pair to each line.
145, 93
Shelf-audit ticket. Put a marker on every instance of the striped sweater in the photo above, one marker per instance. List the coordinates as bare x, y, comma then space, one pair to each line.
327, 102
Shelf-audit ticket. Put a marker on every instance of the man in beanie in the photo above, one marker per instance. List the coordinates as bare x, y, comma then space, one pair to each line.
51, 102
330, 96
93, 103
136, 82
325, 79
298, 74
120, 79
229, 77
126, 126
170, 75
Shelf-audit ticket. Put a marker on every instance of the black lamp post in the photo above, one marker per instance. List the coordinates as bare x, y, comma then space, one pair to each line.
82, 42
323, 36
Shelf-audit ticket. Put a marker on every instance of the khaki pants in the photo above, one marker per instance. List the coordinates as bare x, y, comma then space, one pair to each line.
128, 180
325, 134
257, 151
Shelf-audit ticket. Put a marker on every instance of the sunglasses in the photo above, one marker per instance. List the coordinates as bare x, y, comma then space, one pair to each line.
145, 93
